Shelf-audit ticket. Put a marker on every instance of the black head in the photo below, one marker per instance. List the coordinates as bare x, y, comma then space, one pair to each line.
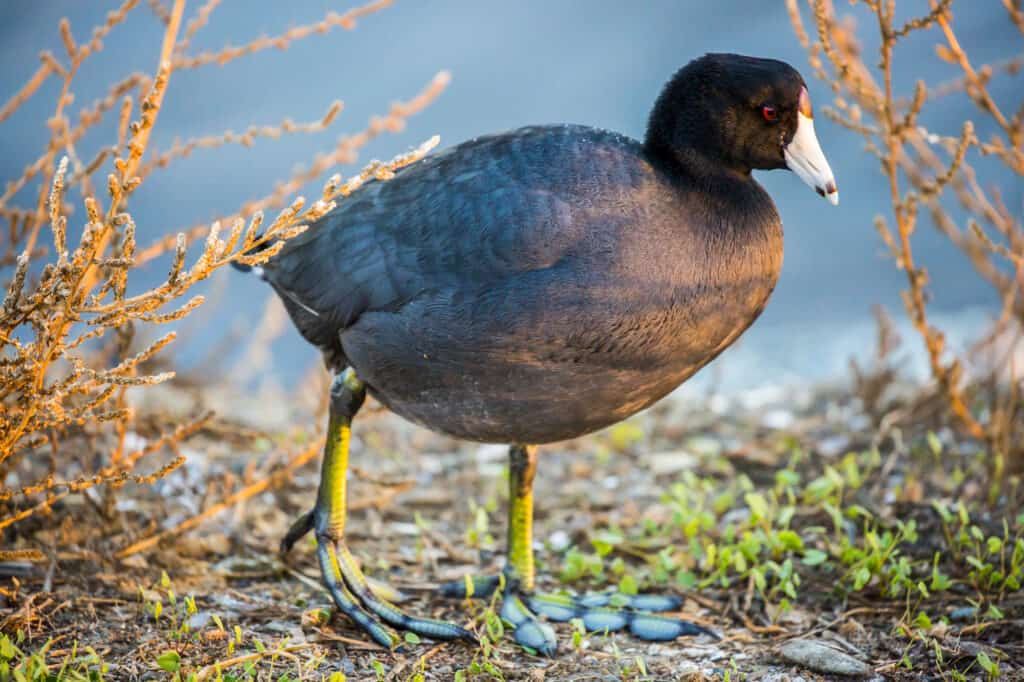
731, 113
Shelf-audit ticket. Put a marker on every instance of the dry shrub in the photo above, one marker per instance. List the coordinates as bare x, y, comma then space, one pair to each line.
934, 172
68, 327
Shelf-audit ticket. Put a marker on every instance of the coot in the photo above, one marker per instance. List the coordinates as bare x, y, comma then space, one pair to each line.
538, 285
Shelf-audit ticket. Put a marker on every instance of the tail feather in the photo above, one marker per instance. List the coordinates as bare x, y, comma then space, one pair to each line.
242, 267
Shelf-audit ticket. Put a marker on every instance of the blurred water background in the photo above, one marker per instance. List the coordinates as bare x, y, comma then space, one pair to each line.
597, 62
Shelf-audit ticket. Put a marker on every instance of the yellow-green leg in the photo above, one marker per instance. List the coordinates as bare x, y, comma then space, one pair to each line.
522, 467
349, 588
521, 607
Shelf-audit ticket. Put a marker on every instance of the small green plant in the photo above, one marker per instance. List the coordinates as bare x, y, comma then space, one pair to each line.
478, 534
485, 658
80, 664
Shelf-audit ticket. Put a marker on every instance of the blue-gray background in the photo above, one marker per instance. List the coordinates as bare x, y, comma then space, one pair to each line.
513, 63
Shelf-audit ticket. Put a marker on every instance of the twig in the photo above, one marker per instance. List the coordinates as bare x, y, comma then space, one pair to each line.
269, 482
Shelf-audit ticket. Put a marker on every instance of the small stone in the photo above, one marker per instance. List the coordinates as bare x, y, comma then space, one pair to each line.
719, 404
823, 658
704, 446
559, 541
661, 463
780, 420
135, 561
761, 397
963, 613
409, 530
832, 446
216, 543
199, 620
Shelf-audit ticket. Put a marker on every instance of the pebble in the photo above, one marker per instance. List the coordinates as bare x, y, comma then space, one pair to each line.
559, 541
199, 620
671, 462
761, 397
704, 446
963, 613
780, 420
823, 658
832, 446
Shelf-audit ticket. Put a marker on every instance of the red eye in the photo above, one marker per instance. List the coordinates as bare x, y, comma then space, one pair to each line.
769, 112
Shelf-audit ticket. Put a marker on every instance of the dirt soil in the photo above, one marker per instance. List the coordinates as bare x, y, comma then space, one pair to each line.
426, 509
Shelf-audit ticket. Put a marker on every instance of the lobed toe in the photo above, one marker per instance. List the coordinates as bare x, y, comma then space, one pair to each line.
536, 635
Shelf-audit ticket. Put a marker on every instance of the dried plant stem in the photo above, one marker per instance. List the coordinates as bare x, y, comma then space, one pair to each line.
905, 218
218, 667
199, 21
69, 349
182, 150
27, 90
267, 483
347, 21
344, 152
909, 153
89, 275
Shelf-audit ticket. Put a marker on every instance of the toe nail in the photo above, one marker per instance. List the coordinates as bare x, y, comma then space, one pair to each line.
538, 636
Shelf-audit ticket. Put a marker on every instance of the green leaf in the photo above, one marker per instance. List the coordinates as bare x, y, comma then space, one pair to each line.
7, 648
169, 661
791, 540
759, 580
813, 557
627, 585
987, 664
338, 676
757, 504
625, 434
934, 443
686, 579
861, 578
412, 638
606, 540
165, 580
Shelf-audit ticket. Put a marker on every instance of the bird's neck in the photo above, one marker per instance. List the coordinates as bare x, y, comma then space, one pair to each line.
692, 163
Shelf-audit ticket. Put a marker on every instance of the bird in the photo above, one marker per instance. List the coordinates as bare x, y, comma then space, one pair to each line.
536, 285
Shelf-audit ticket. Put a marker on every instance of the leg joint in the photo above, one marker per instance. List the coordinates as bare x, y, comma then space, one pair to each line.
522, 466
347, 394
328, 532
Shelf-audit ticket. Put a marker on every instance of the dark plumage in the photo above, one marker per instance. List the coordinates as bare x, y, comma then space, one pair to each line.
537, 285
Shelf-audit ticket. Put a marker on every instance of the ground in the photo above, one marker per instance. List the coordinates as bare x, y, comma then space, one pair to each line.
789, 519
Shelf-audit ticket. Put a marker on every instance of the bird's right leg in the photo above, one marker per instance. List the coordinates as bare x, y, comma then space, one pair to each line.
523, 608
349, 588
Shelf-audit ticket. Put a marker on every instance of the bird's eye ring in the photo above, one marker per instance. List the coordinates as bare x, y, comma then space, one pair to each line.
769, 113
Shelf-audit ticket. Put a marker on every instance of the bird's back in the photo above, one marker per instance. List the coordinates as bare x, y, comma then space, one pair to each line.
546, 271
480, 211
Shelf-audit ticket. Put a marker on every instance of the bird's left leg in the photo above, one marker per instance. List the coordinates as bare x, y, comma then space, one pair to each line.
349, 588
521, 607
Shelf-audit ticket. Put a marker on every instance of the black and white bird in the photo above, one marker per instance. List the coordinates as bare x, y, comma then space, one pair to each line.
541, 284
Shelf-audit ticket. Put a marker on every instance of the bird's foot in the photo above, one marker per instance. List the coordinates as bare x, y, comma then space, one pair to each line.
366, 602
598, 612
